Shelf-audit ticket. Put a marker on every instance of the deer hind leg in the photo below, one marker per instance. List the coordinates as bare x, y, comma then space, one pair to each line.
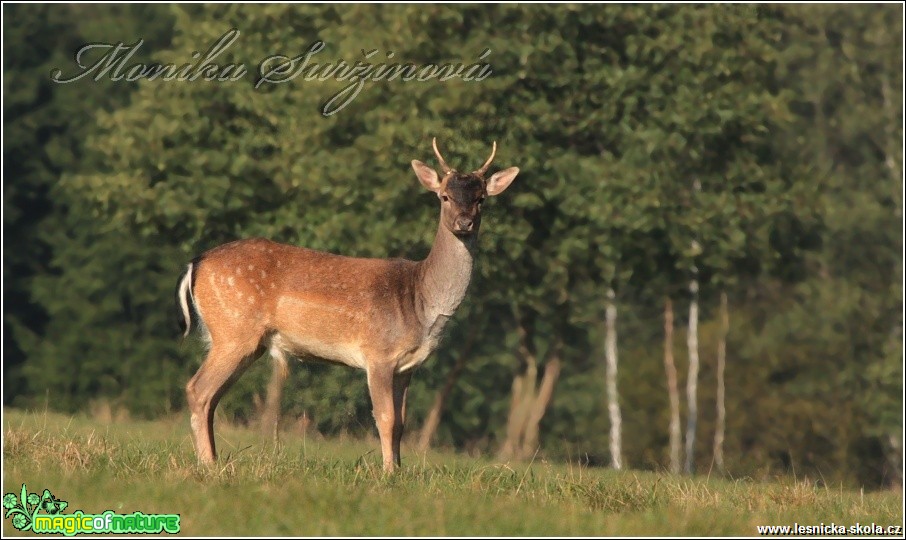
223, 365
270, 414
400, 389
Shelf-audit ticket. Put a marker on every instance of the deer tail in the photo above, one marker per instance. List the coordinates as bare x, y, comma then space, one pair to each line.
185, 300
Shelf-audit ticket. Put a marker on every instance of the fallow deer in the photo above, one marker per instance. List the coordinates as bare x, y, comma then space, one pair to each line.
381, 315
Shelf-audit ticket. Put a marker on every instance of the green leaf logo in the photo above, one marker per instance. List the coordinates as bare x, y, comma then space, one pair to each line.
50, 505
26, 506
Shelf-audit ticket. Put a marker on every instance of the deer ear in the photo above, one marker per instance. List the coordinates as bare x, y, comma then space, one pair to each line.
426, 175
501, 180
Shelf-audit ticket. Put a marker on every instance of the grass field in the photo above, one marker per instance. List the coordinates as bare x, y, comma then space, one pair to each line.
303, 487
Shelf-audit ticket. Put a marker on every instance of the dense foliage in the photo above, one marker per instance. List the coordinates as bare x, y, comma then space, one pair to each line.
760, 145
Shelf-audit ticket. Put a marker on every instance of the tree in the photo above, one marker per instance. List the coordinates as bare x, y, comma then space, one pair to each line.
613, 406
846, 66
672, 391
49, 238
721, 385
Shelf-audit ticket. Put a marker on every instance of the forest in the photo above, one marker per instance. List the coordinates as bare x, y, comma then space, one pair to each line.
698, 269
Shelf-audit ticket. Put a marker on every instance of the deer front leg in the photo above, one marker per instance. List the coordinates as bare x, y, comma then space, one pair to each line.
380, 386
400, 389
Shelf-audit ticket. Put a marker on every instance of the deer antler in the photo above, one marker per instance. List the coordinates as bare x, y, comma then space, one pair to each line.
484, 168
447, 169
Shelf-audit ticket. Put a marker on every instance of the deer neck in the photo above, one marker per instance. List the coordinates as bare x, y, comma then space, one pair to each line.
445, 274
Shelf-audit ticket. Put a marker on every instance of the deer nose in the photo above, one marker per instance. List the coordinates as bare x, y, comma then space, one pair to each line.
464, 223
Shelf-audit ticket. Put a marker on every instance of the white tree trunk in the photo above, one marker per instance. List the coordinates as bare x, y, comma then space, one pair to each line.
893, 142
692, 380
895, 457
676, 440
893, 159
721, 391
613, 404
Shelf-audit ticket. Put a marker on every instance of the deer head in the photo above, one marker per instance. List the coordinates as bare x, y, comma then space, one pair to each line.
461, 194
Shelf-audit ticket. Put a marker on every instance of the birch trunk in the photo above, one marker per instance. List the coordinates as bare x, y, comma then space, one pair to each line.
721, 365
613, 404
895, 458
692, 380
676, 440
892, 160
891, 150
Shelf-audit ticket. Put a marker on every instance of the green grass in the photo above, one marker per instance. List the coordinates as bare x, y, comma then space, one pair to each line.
303, 487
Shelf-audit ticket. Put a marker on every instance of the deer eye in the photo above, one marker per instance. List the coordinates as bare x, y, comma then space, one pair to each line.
444, 198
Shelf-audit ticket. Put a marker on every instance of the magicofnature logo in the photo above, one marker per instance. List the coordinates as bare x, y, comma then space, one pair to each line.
26, 509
